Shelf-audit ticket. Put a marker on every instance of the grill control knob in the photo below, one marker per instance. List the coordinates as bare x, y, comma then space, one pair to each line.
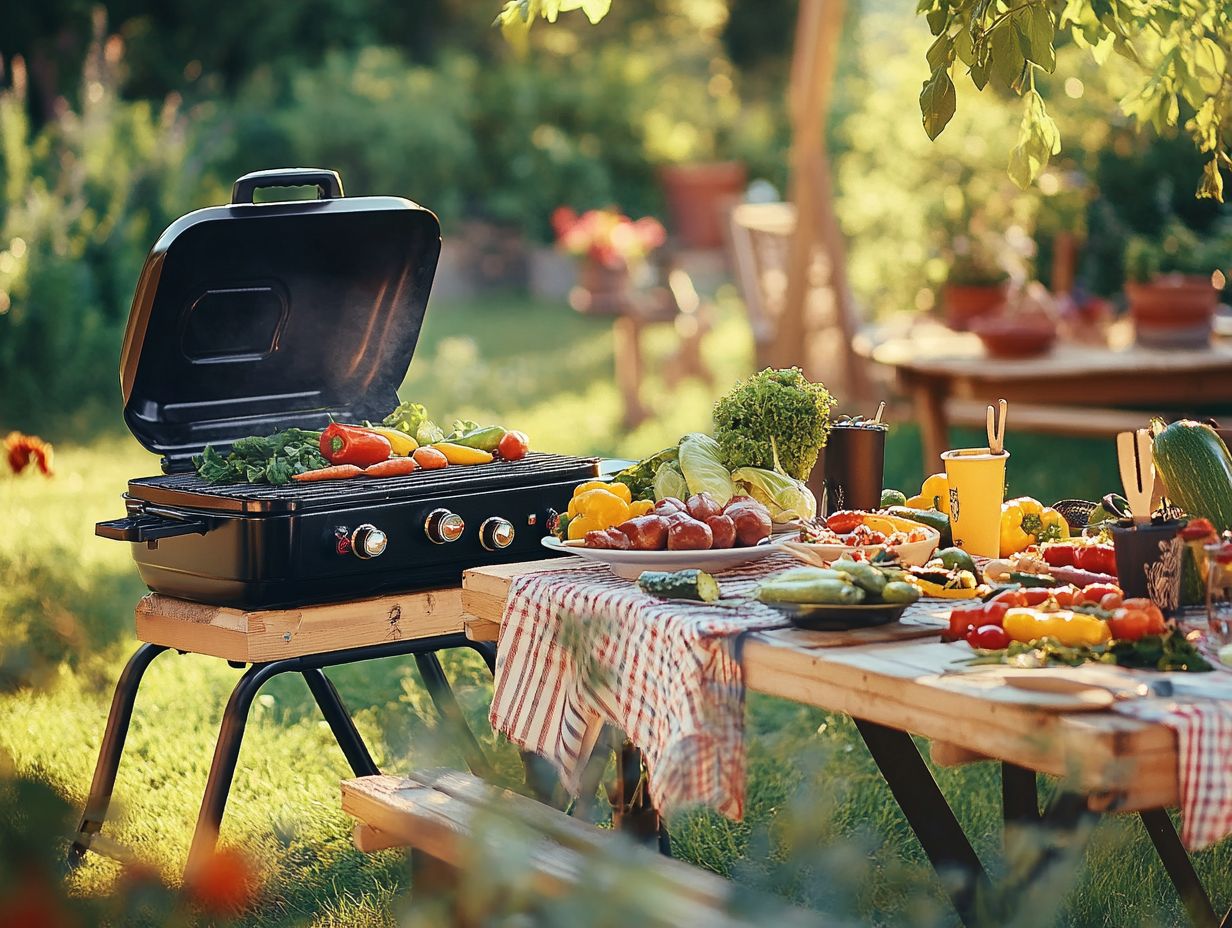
496, 533
443, 526
368, 541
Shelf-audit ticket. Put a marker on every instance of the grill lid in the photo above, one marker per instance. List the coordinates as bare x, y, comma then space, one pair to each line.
254, 317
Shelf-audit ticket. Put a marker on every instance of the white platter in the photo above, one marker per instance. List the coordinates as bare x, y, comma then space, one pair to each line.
630, 564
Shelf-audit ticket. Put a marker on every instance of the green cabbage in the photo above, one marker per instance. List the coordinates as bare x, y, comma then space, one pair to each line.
787, 499
703, 470
669, 481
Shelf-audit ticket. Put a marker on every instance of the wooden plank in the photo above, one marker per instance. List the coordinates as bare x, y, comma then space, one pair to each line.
880, 634
369, 840
266, 635
481, 629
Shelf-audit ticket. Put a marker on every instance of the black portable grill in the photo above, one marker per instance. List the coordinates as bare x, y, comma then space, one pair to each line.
250, 318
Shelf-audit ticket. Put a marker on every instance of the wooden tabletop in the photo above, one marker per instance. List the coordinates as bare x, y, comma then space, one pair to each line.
917, 687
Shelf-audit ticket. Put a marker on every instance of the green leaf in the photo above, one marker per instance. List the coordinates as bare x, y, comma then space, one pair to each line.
979, 76
1035, 31
1038, 140
937, 19
1005, 58
937, 102
964, 47
941, 52
1211, 187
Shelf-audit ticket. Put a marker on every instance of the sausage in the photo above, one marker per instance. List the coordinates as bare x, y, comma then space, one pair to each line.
702, 506
607, 538
688, 534
752, 523
724, 531
1080, 578
667, 505
646, 533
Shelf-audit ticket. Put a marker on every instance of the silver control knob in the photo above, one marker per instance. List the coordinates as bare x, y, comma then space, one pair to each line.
368, 541
443, 526
496, 533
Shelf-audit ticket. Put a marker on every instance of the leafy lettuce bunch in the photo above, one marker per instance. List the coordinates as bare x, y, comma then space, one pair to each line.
774, 411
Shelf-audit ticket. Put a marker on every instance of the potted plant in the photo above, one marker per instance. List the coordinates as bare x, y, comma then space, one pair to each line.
1170, 288
975, 286
612, 248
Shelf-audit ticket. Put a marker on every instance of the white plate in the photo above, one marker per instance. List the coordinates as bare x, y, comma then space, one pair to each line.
911, 554
630, 564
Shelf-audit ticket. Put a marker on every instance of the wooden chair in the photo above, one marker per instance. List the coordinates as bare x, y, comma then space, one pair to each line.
450, 820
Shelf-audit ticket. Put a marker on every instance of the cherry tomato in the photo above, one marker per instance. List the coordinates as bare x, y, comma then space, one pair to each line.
1066, 596
1155, 619
962, 620
1129, 624
1060, 555
1036, 595
514, 446
1111, 601
988, 637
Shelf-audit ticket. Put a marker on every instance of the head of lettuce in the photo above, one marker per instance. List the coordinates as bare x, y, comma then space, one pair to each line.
775, 412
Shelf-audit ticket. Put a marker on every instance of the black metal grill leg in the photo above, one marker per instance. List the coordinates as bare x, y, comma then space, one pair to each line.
1180, 868
927, 812
226, 753
632, 811
1019, 796
486, 650
340, 723
451, 713
112, 748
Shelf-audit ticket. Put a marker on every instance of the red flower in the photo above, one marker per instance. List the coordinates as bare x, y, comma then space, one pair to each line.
606, 236
21, 449
224, 883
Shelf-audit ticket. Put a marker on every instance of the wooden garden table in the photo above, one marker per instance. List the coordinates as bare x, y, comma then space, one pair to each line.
1075, 380
1106, 761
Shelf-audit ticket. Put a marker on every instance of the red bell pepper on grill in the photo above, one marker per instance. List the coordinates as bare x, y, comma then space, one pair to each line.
348, 444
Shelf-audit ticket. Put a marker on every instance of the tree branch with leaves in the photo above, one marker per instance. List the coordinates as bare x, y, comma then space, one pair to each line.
1181, 47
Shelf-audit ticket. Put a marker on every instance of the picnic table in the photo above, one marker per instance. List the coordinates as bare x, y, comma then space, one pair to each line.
1073, 389
902, 683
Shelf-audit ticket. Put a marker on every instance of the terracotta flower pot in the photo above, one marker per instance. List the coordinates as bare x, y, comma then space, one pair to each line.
965, 302
601, 290
696, 196
1012, 337
1173, 311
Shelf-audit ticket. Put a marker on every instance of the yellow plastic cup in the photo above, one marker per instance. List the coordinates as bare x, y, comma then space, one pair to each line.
977, 490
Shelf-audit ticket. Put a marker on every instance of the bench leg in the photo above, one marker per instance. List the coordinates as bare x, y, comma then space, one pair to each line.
112, 748
1019, 796
340, 723
451, 713
632, 811
226, 754
927, 812
1180, 868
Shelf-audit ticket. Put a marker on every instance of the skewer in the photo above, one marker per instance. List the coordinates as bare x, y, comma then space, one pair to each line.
1137, 472
880, 410
996, 427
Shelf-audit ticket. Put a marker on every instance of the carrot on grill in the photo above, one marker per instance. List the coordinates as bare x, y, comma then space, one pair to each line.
334, 472
394, 467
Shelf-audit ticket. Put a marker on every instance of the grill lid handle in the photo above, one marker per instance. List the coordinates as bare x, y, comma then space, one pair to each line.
150, 527
327, 182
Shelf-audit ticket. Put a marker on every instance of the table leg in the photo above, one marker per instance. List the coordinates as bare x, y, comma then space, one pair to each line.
1019, 795
340, 722
928, 814
929, 400
451, 713
1180, 868
112, 748
632, 811
627, 349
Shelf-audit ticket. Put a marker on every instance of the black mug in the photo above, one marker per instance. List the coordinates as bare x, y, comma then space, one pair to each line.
853, 462
1149, 559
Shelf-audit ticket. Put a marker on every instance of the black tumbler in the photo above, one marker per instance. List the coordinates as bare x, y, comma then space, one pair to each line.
1149, 558
853, 460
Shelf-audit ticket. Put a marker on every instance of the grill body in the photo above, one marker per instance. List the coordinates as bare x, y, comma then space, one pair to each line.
262, 547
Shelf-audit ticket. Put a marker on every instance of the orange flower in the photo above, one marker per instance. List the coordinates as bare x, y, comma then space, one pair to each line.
224, 883
22, 449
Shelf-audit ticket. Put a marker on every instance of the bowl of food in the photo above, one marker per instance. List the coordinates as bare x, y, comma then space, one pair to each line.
1016, 336
859, 595
678, 535
864, 535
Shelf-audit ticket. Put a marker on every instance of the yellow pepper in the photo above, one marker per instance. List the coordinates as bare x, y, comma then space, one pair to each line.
934, 494
460, 454
962, 586
641, 507
599, 507
580, 525
613, 487
1026, 521
1068, 628
400, 443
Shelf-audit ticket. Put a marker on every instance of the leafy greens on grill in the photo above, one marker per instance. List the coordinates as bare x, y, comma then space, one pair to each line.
272, 459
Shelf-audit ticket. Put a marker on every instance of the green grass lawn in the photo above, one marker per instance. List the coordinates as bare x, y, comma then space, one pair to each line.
66, 602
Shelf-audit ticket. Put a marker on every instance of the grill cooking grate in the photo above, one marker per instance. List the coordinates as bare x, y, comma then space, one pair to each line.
189, 490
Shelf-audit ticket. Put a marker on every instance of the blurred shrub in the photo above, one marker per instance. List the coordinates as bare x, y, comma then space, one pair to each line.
84, 198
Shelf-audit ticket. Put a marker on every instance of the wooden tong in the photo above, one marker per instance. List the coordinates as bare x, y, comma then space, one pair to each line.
1137, 472
996, 427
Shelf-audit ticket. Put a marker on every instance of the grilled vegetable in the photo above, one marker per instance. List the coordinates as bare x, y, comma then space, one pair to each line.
351, 444
400, 443
430, 458
333, 472
930, 517
394, 467
681, 584
1067, 628
485, 438
1197, 470
460, 454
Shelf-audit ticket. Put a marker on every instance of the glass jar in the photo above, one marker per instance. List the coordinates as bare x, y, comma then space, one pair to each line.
1219, 592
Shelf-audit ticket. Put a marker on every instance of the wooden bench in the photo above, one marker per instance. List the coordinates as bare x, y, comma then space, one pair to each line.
439, 815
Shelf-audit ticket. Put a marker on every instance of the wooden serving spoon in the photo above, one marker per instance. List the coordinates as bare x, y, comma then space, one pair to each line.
1137, 472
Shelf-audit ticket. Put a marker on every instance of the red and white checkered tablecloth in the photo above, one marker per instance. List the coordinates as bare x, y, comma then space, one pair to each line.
582, 647
1204, 751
